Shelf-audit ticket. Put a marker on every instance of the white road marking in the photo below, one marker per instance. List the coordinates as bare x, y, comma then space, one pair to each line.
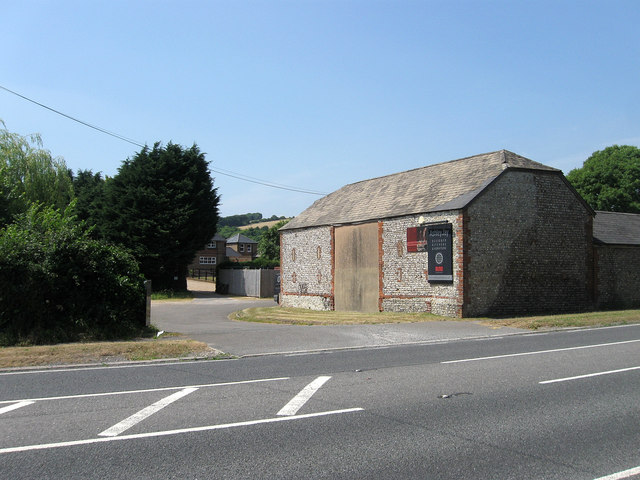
137, 417
46, 446
15, 406
577, 377
301, 398
624, 474
109, 367
538, 352
148, 390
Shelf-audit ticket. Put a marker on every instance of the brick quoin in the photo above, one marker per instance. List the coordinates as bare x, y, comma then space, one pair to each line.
461, 233
332, 241
380, 265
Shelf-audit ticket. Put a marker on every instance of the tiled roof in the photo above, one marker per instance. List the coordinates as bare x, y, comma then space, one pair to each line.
616, 228
239, 238
443, 186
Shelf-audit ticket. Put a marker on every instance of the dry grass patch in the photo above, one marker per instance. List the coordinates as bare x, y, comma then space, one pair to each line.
101, 352
589, 319
301, 316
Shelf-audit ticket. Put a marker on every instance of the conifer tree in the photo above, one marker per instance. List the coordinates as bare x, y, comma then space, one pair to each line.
163, 207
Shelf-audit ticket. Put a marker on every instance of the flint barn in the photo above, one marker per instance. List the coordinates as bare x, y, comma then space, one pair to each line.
492, 234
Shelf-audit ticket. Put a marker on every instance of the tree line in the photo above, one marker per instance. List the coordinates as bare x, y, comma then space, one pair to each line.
75, 249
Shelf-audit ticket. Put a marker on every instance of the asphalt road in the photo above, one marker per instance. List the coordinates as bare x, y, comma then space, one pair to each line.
560, 405
206, 319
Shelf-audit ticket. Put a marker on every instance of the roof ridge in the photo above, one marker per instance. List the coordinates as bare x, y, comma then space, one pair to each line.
616, 213
432, 165
445, 185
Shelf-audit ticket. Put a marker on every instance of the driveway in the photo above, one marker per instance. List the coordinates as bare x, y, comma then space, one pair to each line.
205, 318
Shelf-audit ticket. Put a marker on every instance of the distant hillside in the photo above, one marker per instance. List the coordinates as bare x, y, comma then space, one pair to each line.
268, 224
245, 219
251, 225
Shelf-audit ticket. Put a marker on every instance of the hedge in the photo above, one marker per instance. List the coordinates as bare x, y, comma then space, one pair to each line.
59, 285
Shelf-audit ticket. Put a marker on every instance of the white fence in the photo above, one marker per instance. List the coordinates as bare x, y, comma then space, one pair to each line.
248, 282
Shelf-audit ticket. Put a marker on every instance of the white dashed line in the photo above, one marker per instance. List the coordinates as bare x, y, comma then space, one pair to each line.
588, 375
146, 390
620, 475
305, 394
127, 423
15, 406
538, 352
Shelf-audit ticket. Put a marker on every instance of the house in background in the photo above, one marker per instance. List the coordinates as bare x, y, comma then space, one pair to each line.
241, 248
213, 254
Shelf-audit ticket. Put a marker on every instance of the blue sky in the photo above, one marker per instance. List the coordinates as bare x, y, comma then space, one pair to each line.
318, 94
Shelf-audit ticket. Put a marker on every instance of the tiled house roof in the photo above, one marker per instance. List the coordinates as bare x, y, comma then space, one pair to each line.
616, 228
443, 186
239, 238
218, 238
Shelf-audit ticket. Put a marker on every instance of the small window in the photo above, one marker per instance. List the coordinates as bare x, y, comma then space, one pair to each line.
241, 247
207, 260
212, 245
248, 248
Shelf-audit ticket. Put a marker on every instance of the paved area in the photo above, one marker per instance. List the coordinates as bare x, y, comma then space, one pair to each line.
205, 318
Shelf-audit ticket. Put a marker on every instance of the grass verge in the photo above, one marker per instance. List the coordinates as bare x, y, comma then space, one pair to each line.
299, 316
102, 352
171, 295
589, 319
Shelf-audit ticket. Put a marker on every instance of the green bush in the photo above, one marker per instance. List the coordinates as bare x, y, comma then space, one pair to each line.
59, 285
259, 262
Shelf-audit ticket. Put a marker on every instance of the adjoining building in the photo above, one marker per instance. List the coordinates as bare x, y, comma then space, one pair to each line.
491, 234
616, 238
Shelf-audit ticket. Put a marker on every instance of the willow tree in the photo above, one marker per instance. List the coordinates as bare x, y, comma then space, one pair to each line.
30, 175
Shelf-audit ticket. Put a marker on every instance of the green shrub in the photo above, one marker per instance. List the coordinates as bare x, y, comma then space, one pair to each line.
259, 262
59, 285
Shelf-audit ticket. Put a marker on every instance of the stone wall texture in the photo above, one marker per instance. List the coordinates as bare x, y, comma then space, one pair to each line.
618, 276
307, 268
528, 248
405, 284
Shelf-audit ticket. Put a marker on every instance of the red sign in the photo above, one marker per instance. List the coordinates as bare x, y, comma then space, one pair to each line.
417, 239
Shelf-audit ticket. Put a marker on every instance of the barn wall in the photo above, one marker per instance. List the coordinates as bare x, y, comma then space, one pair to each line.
307, 268
405, 285
529, 248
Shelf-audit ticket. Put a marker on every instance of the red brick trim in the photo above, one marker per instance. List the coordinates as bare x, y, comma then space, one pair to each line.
281, 272
380, 264
297, 294
333, 268
462, 231
408, 297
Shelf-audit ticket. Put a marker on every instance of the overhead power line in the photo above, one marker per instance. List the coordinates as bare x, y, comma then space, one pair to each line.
246, 178
120, 137
228, 173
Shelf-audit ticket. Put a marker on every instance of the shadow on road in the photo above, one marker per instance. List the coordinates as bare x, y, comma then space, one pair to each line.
201, 289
